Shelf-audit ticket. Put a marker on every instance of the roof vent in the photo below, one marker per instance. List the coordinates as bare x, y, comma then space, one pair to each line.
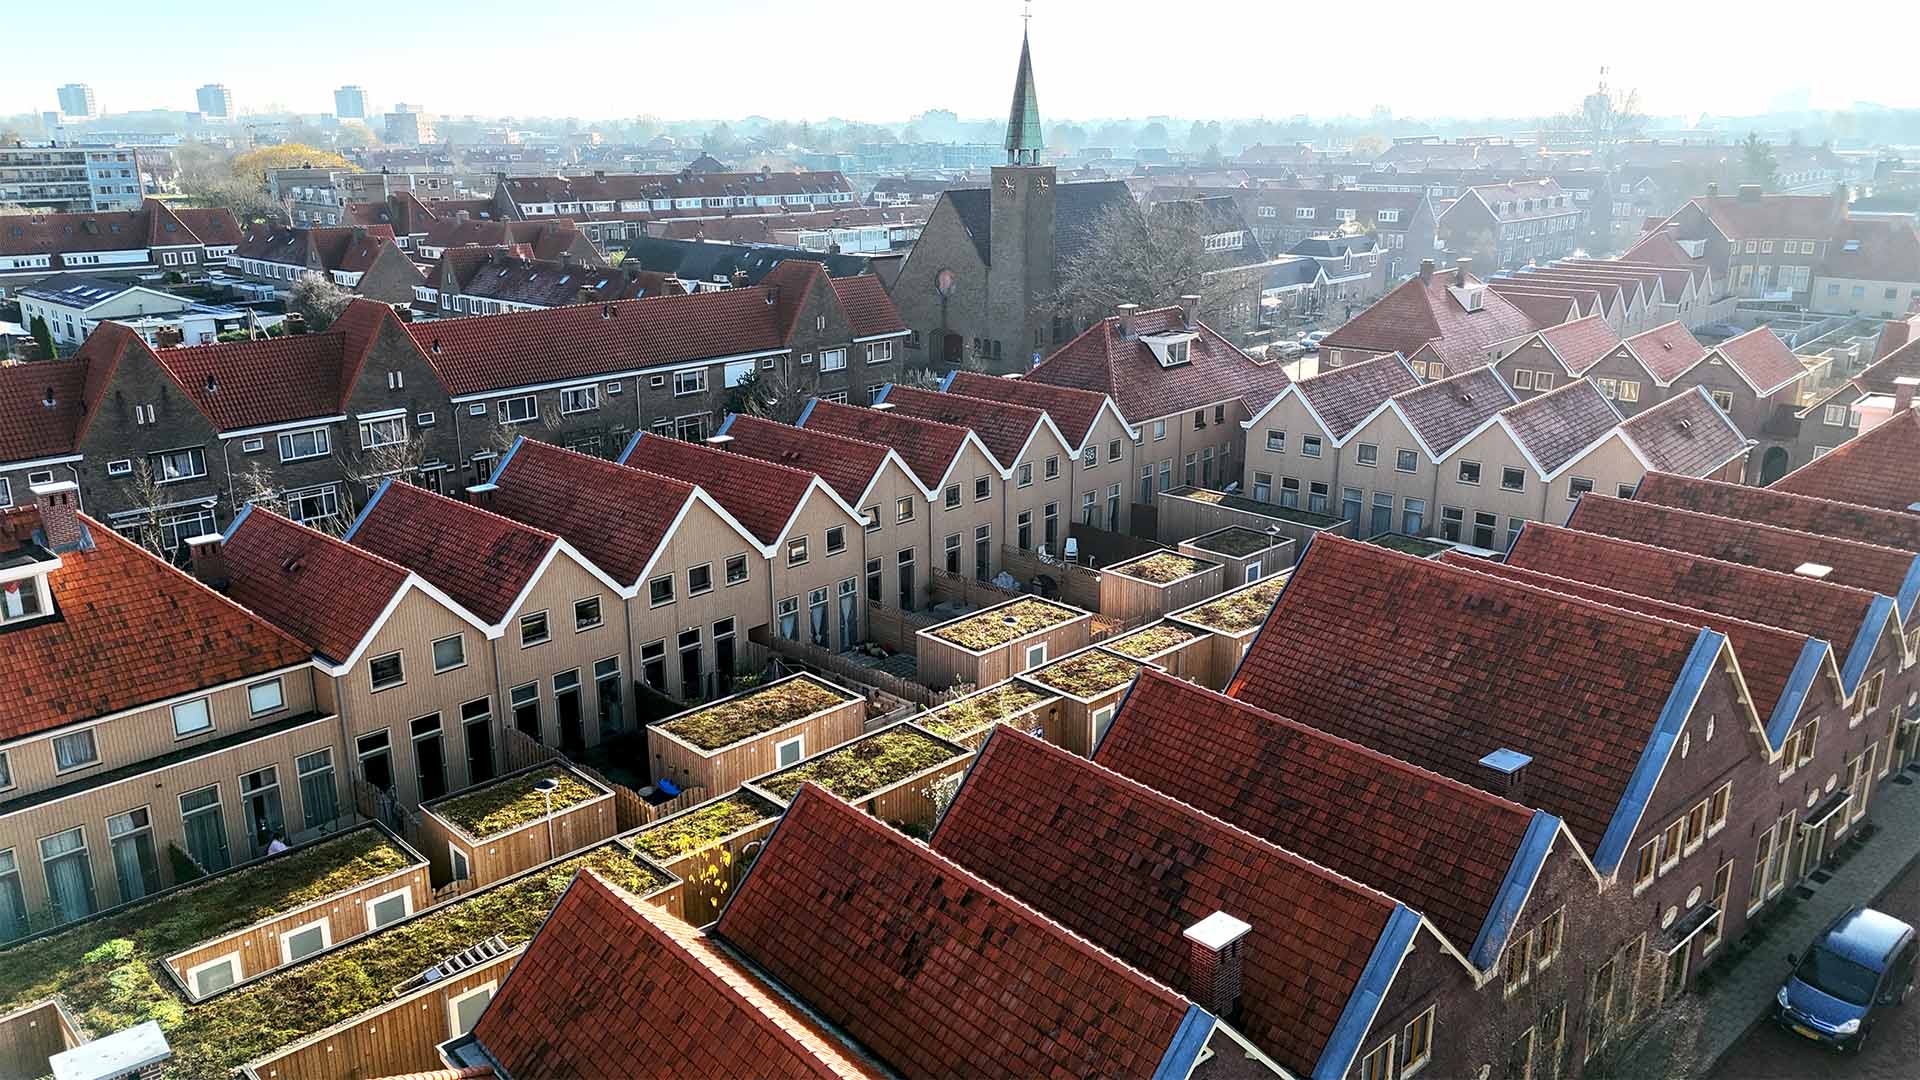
490, 949
49, 401
1685, 425
1667, 345
1814, 570
212, 386
141, 1050
1214, 945
435, 347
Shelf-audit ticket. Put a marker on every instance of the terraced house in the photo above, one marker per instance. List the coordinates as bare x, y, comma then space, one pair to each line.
1443, 322
153, 238
367, 260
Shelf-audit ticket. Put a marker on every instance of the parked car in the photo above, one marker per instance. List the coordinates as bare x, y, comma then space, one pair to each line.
1311, 342
1862, 965
1286, 350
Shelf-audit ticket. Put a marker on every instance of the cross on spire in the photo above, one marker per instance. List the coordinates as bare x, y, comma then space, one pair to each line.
1023, 119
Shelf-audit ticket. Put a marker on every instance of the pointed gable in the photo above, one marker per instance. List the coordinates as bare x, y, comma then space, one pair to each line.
1554, 427
44, 404
480, 559
1103, 360
322, 590
1345, 396
929, 448
1445, 412
1667, 352
1762, 359
1074, 411
614, 515
1003, 427
869, 310
1441, 666
761, 495
1581, 343
1686, 433
1425, 310
848, 465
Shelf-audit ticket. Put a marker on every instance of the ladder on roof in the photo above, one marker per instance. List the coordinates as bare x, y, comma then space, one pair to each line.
470, 957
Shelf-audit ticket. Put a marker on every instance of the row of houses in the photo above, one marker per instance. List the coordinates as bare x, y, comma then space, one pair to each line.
153, 239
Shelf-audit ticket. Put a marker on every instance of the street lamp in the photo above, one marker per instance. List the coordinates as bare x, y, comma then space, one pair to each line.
1273, 537
547, 787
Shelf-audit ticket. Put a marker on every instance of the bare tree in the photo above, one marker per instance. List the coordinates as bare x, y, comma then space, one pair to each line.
1133, 258
144, 520
367, 467
318, 300
769, 393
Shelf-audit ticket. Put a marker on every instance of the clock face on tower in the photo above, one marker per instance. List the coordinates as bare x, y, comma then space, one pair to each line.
1007, 182
944, 282
1041, 183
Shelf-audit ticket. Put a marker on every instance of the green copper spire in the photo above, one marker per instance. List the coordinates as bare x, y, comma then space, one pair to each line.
1023, 120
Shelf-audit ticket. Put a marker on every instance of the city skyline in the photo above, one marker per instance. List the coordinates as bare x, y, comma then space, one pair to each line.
1074, 45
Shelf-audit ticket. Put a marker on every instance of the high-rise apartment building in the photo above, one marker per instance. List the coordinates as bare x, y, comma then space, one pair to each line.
350, 103
215, 101
70, 179
76, 99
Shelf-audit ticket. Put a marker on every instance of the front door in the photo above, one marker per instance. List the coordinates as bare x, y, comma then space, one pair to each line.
265, 824
430, 758
1382, 516
566, 702
479, 750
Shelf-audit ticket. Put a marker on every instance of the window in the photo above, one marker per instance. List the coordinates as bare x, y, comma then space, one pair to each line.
1413, 516
1452, 520
796, 551
1090, 457
833, 360
384, 432
1520, 1057
1310, 446
74, 750
463, 1010
586, 614
789, 751
214, 975
389, 909
385, 671
1405, 461
1643, 870
298, 445
579, 399
1670, 845
1024, 477
836, 540
1717, 808
1724, 399
449, 653
396, 380
425, 419
983, 486
191, 718
318, 796
1052, 471
1578, 486
1522, 379
6, 772
1512, 479
1470, 472
1416, 1043
172, 465
308, 505
1368, 455
1518, 968
534, 630
736, 569
952, 496
1159, 430
1377, 1065
1552, 934
660, 590
879, 352
1276, 441
302, 942
690, 382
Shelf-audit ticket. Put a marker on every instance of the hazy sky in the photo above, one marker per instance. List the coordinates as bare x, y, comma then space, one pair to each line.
1093, 58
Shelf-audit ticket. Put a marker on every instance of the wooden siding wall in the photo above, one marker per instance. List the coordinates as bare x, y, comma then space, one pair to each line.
731, 766
943, 663
29, 1036
1235, 574
1044, 715
1128, 598
1079, 586
1182, 518
522, 848
701, 898
345, 913
161, 791
906, 803
1191, 660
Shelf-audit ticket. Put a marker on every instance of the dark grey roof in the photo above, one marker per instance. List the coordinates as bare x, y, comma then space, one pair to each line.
1075, 206
74, 290
700, 260
1284, 272
1218, 214
1332, 247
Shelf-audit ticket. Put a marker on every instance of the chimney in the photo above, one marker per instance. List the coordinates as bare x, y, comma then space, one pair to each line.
1126, 312
460, 215
1426, 271
1214, 945
1464, 264
1903, 393
209, 560
482, 495
1190, 311
1508, 770
599, 174
1749, 193
1713, 188
738, 279
59, 505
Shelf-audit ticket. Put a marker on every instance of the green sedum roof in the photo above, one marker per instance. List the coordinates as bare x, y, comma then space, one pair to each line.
511, 802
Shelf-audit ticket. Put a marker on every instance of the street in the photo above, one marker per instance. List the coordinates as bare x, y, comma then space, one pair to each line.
1893, 1049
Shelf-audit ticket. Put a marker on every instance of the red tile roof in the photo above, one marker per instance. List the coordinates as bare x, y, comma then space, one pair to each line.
1445, 411
613, 986
34, 428
1766, 654
868, 307
1863, 566
1879, 468
928, 448
761, 495
214, 226
131, 631
1344, 396
1073, 411
1003, 427
932, 969
614, 515
787, 286
1555, 426
1771, 216
1902, 362
1803, 513
1441, 666
152, 225
1833, 613
1442, 847
482, 560
320, 589
1582, 343
848, 465
1417, 313
1586, 298
1131, 870
1661, 248
1540, 308
1667, 352
1762, 358
548, 238
525, 348
1125, 369
1686, 433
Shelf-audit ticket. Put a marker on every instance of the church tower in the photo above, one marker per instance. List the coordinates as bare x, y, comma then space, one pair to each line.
1022, 221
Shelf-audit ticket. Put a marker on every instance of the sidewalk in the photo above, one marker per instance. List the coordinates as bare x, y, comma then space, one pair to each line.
1743, 994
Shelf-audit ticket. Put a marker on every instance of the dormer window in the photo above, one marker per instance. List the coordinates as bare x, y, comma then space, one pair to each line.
24, 592
1171, 350
1469, 299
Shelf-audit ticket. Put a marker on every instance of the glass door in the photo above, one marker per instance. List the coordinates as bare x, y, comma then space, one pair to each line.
131, 835
206, 829
319, 796
260, 798
476, 718
566, 703
849, 613
429, 757
607, 694
689, 642
69, 875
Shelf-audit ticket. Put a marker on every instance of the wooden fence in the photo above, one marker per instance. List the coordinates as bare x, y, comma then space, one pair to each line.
886, 692
1078, 585
948, 588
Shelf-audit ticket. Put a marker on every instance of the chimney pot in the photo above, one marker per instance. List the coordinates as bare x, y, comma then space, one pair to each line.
59, 506
1214, 945
1465, 265
1426, 271
1190, 310
1126, 312
482, 495
209, 560
1749, 193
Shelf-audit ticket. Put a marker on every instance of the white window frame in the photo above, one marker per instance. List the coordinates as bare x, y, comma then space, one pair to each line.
572, 397
323, 444
371, 660
1032, 663
326, 939
453, 1006
689, 382
779, 749
406, 908
92, 741
280, 689
505, 412
434, 655
459, 861
370, 429
193, 974
206, 712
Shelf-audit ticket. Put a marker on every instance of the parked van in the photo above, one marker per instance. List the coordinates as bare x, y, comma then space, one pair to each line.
1862, 966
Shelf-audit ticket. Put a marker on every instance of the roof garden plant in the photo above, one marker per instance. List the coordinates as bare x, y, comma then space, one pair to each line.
1240, 610
1086, 674
511, 802
1003, 623
1236, 541
977, 711
704, 825
865, 765
755, 712
1255, 506
1151, 640
109, 969
1161, 567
